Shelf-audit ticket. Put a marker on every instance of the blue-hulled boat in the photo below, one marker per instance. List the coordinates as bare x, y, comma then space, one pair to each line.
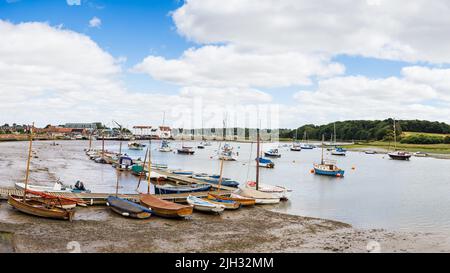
214, 179
327, 167
127, 208
339, 151
266, 163
169, 189
183, 173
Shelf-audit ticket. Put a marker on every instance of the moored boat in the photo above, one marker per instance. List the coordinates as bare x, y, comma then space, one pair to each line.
420, 154
127, 208
133, 145
339, 151
203, 205
186, 150
266, 163
272, 153
215, 180
229, 204
170, 189
165, 147
244, 201
261, 198
399, 155
165, 208
40, 208
327, 167
281, 192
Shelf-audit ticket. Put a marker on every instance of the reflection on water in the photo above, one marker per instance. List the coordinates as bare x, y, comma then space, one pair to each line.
377, 193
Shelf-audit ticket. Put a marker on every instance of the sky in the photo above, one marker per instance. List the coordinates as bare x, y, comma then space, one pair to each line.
284, 63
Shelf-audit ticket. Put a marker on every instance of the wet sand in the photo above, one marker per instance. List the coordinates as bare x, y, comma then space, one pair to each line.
97, 229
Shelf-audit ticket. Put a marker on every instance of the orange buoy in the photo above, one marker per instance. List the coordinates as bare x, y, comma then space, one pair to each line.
338, 175
312, 171
353, 168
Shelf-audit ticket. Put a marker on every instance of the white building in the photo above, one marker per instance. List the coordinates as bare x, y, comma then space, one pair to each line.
153, 132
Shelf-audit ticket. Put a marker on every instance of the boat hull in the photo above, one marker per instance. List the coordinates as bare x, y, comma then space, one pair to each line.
399, 157
335, 173
127, 208
38, 208
182, 189
204, 206
261, 198
242, 200
164, 208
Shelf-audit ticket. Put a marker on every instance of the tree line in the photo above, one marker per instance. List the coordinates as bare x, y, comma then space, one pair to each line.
365, 130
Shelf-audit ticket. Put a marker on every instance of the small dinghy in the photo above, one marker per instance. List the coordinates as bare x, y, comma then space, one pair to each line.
272, 153
214, 179
229, 204
169, 189
281, 192
261, 198
244, 201
203, 205
165, 208
339, 151
58, 187
40, 208
127, 208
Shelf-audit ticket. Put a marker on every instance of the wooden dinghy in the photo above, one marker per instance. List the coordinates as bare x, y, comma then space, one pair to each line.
261, 198
279, 191
64, 201
39, 208
127, 208
229, 204
169, 189
165, 208
244, 201
203, 205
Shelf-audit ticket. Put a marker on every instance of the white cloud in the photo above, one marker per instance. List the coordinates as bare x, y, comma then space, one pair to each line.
220, 66
95, 22
397, 30
73, 2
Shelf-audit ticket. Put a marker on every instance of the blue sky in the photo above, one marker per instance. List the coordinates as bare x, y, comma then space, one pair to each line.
245, 53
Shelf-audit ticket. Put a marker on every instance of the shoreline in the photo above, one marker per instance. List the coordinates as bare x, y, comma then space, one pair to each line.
250, 230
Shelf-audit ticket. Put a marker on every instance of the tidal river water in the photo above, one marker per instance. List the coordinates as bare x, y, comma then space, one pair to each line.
376, 192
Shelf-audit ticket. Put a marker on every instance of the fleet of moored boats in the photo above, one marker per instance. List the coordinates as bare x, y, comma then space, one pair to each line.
42, 201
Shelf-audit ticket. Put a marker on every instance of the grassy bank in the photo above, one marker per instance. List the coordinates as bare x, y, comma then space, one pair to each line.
428, 148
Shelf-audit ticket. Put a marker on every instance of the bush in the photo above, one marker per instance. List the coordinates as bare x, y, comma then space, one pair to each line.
422, 139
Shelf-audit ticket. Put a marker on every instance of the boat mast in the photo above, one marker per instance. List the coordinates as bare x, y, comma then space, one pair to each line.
257, 159
117, 183
322, 150
143, 170
220, 177
103, 145
27, 175
334, 125
395, 137
90, 141
149, 164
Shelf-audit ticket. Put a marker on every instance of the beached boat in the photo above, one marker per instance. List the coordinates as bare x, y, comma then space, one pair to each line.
133, 145
261, 198
370, 152
40, 208
164, 208
244, 201
327, 167
165, 148
282, 192
125, 163
229, 204
266, 163
59, 201
127, 208
183, 173
272, 153
339, 151
57, 187
186, 150
203, 205
170, 189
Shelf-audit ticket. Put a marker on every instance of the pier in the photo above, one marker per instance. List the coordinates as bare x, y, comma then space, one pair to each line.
100, 198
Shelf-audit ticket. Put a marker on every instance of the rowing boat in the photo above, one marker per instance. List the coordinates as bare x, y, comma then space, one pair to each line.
244, 201
279, 191
127, 208
63, 202
203, 205
40, 208
229, 204
261, 198
165, 208
168, 189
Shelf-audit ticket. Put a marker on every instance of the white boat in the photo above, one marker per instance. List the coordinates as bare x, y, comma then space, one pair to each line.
420, 154
156, 175
165, 148
203, 205
278, 191
227, 153
57, 187
135, 145
261, 198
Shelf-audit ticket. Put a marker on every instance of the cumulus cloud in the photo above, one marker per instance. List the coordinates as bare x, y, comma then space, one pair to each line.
229, 66
95, 22
395, 30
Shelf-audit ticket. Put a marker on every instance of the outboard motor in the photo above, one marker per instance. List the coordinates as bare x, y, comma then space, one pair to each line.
80, 186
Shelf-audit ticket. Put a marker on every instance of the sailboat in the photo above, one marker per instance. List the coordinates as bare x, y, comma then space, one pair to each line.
337, 150
165, 148
327, 167
296, 147
185, 149
305, 145
50, 207
227, 153
255, 193
161, 207
398, 155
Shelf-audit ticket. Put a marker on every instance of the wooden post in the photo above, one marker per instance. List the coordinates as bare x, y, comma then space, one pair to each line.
27, 175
